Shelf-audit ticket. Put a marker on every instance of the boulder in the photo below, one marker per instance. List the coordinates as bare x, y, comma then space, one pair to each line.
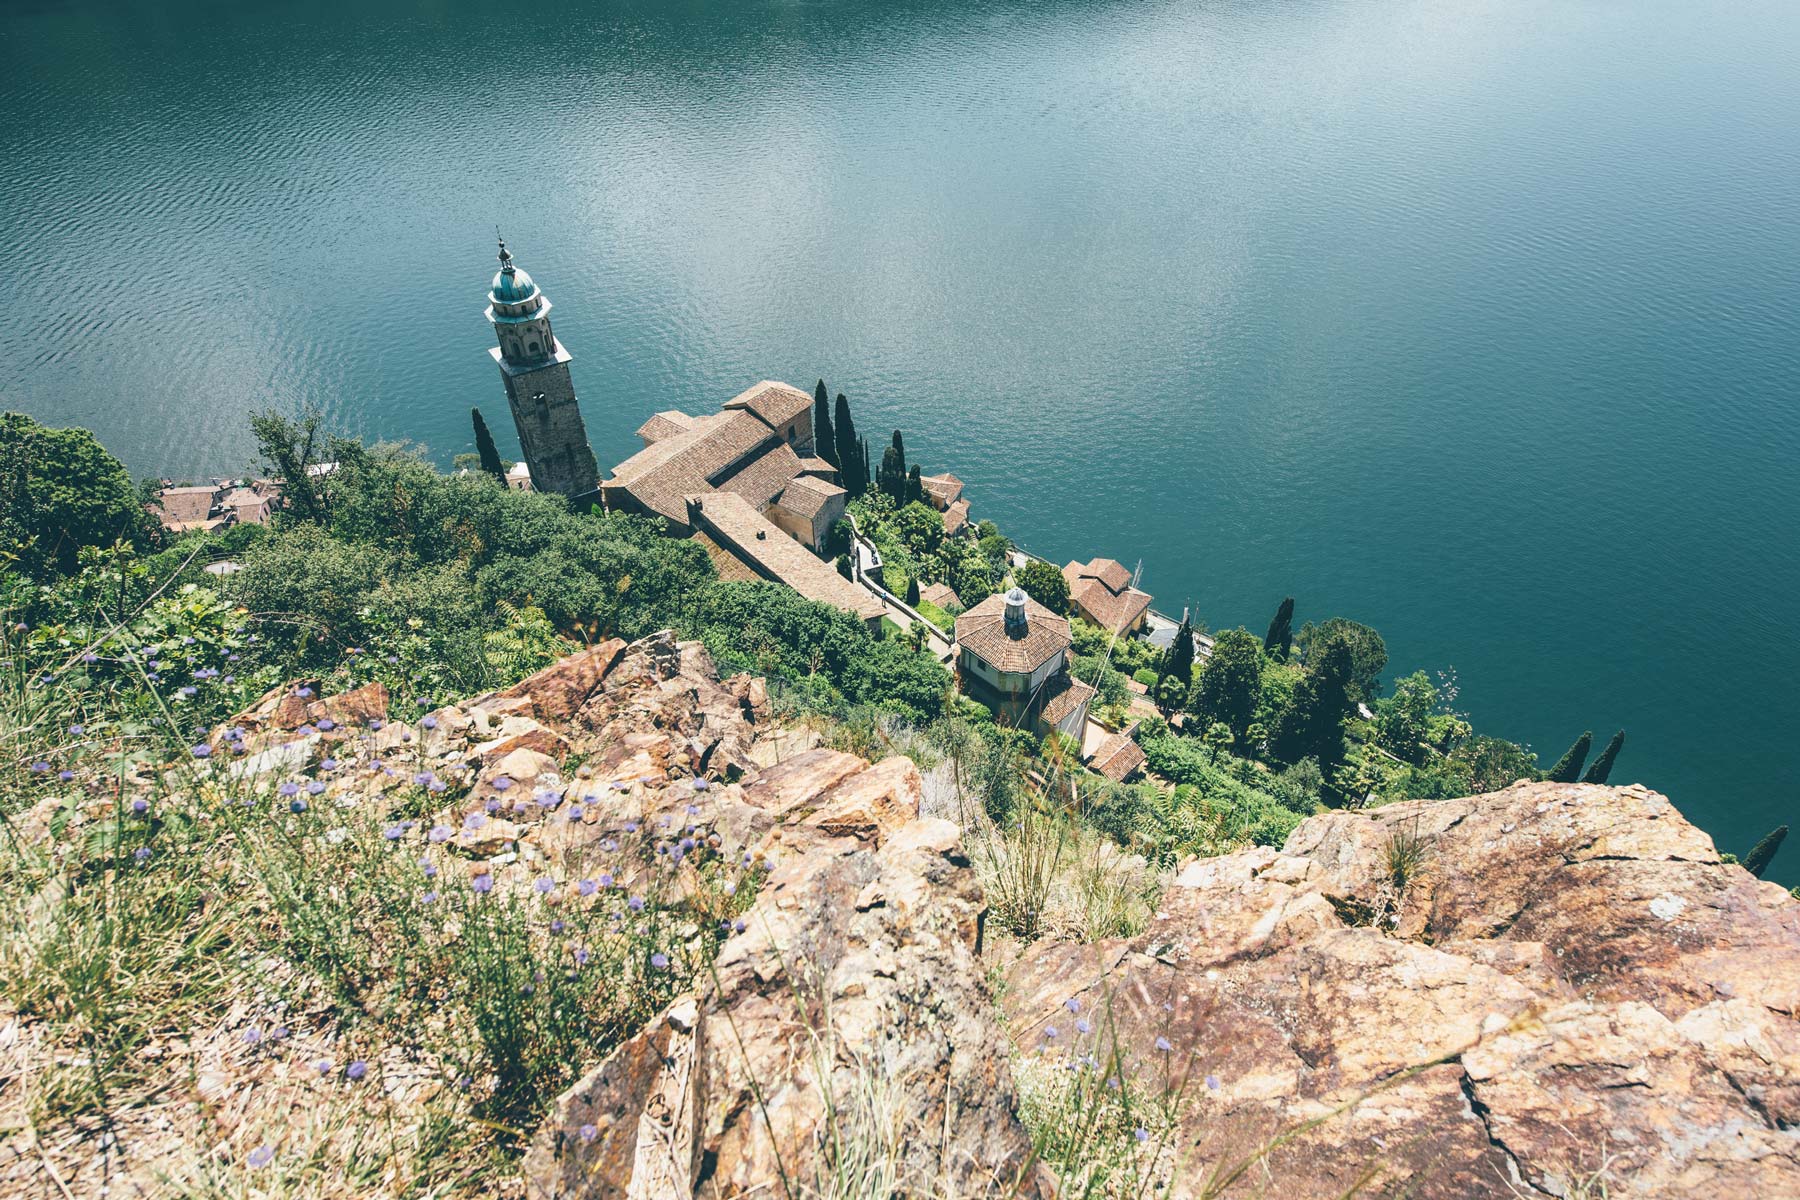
1552, 988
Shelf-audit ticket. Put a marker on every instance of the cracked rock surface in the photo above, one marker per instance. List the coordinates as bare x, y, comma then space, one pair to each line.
1517, 994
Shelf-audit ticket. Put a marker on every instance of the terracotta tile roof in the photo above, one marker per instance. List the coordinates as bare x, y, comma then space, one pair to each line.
185, 505
1117, 757
940, 594
1106, 570
664, 424
735, 526
806, 496
1101, 591
1063, 694
729, 566
817, 466
956, 518
697, 459
762, 478
982, 631
944, 489
774, 403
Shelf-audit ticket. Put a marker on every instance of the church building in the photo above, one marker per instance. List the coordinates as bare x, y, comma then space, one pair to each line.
535, 368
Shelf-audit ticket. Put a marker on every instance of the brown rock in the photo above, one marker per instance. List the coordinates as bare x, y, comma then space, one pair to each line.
1570, 991
872, 804
558, 691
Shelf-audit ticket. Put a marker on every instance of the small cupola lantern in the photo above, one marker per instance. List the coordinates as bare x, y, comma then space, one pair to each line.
1015, 613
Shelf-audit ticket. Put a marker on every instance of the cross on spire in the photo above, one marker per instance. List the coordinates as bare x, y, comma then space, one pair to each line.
506, 263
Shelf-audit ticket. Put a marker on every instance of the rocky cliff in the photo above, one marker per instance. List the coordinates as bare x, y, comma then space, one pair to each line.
1530, 993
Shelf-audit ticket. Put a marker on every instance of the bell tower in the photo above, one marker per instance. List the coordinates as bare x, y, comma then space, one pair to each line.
535, 368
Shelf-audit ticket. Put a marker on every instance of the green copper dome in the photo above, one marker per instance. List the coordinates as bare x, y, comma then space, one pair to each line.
511, 284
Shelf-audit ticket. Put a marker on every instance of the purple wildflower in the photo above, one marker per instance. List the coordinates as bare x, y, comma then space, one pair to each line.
278, 1033
305, 693
326, 724
586, 887
393, 833
316, 787
323, 1066
606, 879
439, 833
429, 898
330, 764
1212, 1083
700, 785
357, 1069
1049, 1031
202, 751
375, 723
423, 778
297, 805
556, 926
660, 961
545, 885
262, 1156
581, 956
1162, 1043
636, 903
77, 730
1082, 1025
65, 775
437, 785
501, 783
141, 854
252, 1036
474, 821
483, 883
1141, 1134
575, 812
589, 1133
429, 723
1072, 1004
290, 788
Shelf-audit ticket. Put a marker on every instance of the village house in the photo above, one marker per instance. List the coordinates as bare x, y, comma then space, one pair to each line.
215, 505
1100, 591
759, 446
745, 545
1013, 657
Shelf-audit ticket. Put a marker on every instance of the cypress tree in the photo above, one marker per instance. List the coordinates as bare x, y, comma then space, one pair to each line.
1280, 638
823, 442
862, 475
1757, 861
891, 479
1568, 767
912, 591
1602, 766
1179, 661
844, 438
915, 485
484, 446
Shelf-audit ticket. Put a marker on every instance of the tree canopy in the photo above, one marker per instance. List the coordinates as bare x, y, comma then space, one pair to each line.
59, 491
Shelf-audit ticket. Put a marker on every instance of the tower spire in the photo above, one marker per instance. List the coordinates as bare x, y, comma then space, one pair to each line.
506, 263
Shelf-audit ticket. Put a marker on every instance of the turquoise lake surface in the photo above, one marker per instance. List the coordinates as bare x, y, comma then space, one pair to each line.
1477, 321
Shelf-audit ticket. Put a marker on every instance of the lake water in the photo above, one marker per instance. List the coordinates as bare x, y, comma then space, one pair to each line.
1472, 319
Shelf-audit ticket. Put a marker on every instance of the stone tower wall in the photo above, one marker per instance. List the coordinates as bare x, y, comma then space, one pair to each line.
552, 434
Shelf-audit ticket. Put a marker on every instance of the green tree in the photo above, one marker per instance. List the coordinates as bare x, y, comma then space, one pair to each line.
1323, 699
291, 447
1568, 767
1045, 584
484, 446
915, 486
1601, 768
1179, 661
1757, 861
1218, 737
59, 491
823, 440
1403, 720
1368, 653
912, 591
851, 459
1280, 637
1230, 682
1493, 763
